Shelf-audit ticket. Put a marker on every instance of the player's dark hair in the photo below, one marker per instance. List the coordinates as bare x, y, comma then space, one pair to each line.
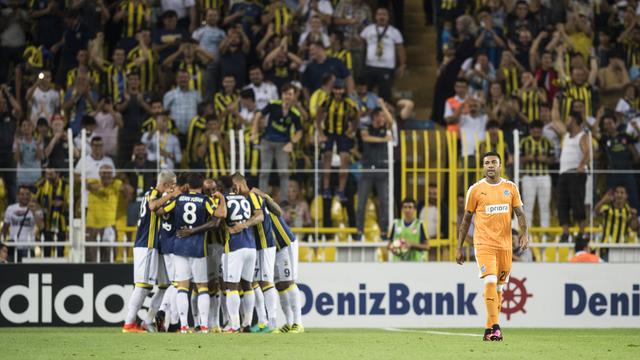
409, 201
195, 180
581, 243
491, 153
225, 183
182, 178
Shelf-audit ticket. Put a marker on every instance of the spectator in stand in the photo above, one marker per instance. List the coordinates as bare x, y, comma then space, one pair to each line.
210, 36
315, 33
296, 209
182, 103
456, 105
489, 40
78, 102
619, 217
542, 67
134, 109
20, 222
619, 153
191, 58
161, 145
434, 216
27, 152
536, 153
108, 124
56, 146
337, 122
134, 15
13, 36
352, 16
584, 253
47, 16
74, 39
10, 112
52, 194
627, 106
83, 67
410, 230
519, 254
4, 254
320, 65
384, 44
518, 19
185, 11
144, 60
367, 101
167, 39
308, 9
281, 65
101, 211
225, 101
375, 138
264, 91
44, 100
234, 51
277, 141
574, 157
245, 13
612, 80
472, 128
94, 161
213, 146
480, 73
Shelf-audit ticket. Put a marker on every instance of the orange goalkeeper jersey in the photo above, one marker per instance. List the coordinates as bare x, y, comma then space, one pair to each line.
493, 206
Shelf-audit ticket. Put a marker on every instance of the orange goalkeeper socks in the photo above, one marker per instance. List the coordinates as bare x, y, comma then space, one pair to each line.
499, 302
491, 301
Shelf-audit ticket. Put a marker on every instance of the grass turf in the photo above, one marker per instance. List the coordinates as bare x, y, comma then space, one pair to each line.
109, 343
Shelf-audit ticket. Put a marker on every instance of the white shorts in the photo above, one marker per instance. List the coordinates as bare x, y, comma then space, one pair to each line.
190, 268
265, 264
148, 267
171, 269
214, 260
287, 263
238, 264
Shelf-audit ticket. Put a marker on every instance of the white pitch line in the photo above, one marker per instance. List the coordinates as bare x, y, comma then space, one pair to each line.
431, 332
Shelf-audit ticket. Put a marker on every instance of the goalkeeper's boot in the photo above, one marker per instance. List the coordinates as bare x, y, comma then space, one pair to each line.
496, 333
296, 329
487, 334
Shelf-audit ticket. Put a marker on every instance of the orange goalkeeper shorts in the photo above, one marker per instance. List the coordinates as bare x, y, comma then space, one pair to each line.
494, 262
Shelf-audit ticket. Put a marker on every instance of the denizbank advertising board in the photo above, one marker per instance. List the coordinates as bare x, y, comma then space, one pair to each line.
354, 295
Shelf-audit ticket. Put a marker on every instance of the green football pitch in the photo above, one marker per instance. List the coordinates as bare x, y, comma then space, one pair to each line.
332, 344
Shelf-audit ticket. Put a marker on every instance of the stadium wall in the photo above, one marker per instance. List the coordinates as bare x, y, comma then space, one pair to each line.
353, 295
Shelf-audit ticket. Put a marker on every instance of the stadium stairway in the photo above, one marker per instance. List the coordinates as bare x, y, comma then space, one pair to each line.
420, 45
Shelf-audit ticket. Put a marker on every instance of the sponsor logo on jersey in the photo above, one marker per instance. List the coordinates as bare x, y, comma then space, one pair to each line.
497, 209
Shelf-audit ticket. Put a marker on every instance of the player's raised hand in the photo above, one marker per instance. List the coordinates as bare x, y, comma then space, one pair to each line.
523, 240
459, 256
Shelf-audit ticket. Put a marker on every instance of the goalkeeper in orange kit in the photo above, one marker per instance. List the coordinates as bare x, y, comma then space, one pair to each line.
492, 200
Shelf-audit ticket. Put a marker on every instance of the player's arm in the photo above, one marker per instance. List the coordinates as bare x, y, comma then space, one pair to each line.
256, 218
523, 238
221, 211
157, 204
212, 224
271, 204
462, 235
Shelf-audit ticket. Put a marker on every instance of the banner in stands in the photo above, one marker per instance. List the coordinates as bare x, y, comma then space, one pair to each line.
353, 295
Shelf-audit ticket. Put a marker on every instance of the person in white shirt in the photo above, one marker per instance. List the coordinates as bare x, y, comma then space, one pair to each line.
209, 36
108, 122
182, 103
315, 32
430, 215
161, 142
472, 127
43, 98
384, 44
248, 107
263, 91
21, 220
94, 161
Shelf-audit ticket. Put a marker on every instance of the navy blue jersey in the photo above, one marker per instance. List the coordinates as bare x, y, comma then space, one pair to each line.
167, 233
240, 209
148, 223
282, 232
191, 210
264, 230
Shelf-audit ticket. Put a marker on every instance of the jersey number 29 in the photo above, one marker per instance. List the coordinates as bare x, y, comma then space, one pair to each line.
240, 210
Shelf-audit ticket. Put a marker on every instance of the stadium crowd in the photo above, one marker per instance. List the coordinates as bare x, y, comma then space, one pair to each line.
162, 84
565, 76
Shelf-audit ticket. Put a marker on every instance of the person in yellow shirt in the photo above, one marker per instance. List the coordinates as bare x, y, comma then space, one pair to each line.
101, 210
492, 201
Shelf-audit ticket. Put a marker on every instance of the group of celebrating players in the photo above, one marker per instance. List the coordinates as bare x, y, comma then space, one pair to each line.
223, 243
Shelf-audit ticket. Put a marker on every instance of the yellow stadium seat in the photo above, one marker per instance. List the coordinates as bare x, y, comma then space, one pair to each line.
305, 254
326, 254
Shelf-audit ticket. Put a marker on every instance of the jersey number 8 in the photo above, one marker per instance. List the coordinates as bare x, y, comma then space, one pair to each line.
189, 214
240, 210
